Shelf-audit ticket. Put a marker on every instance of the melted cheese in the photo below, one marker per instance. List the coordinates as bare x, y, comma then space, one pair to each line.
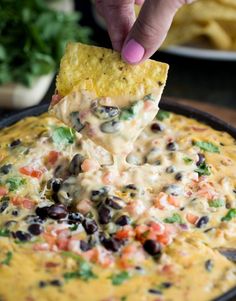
167, 184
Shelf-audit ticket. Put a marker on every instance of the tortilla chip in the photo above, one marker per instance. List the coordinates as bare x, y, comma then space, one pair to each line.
103, 71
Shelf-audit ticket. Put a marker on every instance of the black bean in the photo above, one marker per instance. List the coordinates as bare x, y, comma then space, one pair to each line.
111, 244
123, 220
155, 292
99, 195
42, 212
104, 112
54, 184
156, 127
90, 226
75, 217
170, 169
209, 265
75, 120
131, 187
15, 143
85, 246
22, 236
201, 159
179, 176
202, 221
112, 201
111, 127
5, 169
104, 214
171, 146
3, 205
75, 164
15, 212
42, 284
35, 229
166, 284
55, 282
57, 211
152, 247
229, 253
32, 219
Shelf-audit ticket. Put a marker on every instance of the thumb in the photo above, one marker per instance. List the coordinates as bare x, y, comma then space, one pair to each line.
150, 29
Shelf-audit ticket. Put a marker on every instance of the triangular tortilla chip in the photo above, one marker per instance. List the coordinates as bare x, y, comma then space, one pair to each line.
106, 99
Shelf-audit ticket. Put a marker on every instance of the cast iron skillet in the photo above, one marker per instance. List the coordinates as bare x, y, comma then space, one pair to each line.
165, 105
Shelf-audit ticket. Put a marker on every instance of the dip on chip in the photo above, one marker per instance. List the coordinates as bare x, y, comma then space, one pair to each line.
106, 99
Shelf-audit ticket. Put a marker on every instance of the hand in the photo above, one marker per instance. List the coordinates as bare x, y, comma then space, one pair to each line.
138, 40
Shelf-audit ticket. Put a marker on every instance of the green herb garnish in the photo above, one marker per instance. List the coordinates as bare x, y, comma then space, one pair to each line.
8, 258
63, 136
84, 270
162, 115
74, 227
187, 160
33, 39
207, 146
175, 218
14, 183
129, 113
4, 232
203, 169
230, 215
216, 203
118, 279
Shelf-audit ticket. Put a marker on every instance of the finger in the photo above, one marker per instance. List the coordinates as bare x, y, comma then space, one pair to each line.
119, 17
150, 29
139, 2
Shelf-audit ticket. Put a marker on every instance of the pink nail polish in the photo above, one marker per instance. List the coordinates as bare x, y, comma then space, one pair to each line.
133, 52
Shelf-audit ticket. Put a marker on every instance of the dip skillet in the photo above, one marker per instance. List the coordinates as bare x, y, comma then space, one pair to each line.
165, 104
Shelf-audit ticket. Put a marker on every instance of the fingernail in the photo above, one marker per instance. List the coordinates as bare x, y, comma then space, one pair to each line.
133, 52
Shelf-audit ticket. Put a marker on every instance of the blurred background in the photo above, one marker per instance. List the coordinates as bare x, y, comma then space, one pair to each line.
33, 34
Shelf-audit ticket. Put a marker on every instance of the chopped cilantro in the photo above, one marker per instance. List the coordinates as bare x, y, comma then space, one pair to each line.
7, 259
175, 218
84, 270
230, 215
187, 160
162, 115
216, 203
129, 113
74, 227
124, 298
207, 146
63, 136
15, 182
118, 279
203, 169
4, 232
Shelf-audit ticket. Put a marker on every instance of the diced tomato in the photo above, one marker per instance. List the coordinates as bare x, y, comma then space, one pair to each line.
3, 191
124, 233
62, 244
29, 171
52, 157
55, 99
28, 204
191, 218
164, 239
140, 231
156, 227
173, 201
90, 165
149, 105
41, 247
50, 239
51, 264
24, 202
